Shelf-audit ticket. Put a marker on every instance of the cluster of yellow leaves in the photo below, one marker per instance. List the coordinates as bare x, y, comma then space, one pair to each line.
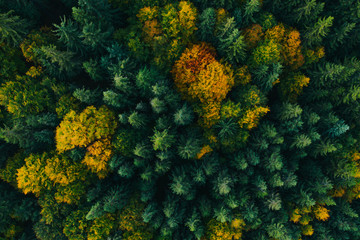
203, 80
353, 192
242, 76
76, 225
307, 230
278, 44
204, 150
304, 215
252, 116
32, 177
266, 53
65, 104
101, 227
25, 94
312, 56
12, 231
291, 53
131, 222
35, 40
225, 231
292, 85
230, 110
97, 156
221, 15
34, 71
80, 130
168, 28
46, 172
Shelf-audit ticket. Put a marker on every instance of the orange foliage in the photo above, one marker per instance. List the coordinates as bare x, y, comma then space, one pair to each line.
151, 28
291, 52
205, 149
97, 156
253, 35
221, 15
275, 33
201, 79
321, 213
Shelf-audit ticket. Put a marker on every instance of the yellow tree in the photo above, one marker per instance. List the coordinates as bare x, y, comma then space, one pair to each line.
80, 130
203, 80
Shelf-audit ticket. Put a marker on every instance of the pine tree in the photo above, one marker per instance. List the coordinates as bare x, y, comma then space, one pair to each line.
316, 33
58, 63
69, 33
12, 28
207, 20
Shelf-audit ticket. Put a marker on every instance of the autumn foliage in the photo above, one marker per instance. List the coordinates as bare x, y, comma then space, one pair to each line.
203, 80
80, 130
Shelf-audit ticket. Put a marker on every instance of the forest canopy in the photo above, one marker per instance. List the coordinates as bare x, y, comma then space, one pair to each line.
179, 120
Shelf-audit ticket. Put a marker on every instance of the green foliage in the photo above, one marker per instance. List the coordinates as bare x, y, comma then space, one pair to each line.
106, 142
13, 28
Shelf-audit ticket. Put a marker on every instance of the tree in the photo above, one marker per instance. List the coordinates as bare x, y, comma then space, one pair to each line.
25, 95
315, 34
69, 33
131, 222
83, 129
13, 28
203, 80
207, 20
162, 140
58, 63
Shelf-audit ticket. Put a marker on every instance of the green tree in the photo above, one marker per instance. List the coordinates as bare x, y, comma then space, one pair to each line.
12, 28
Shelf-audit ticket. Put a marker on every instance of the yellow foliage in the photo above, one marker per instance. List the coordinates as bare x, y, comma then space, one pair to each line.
63, 171
225, 231
97, 156
221, 15
266, 53
305, 219
8, 174
295, 215
80, 130
131, 222
312, 56
151, 28
291, 51
187, 18
204, 150
252, 117
321, 213
35, 40
32, 177
203, 80
242, 76
166, 30
148, 14
292, 86
12, 231
275, 33
307, 230
34, 71
338, 192
101, 227
230, 109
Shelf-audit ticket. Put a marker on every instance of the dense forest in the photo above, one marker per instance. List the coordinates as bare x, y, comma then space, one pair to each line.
179, 120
